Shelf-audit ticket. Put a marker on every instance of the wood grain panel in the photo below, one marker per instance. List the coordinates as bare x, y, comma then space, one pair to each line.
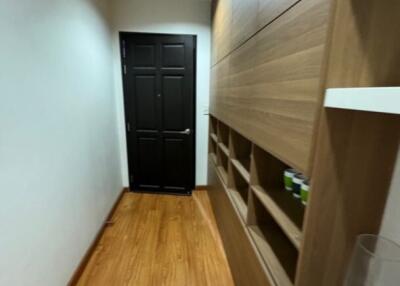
355, 150
365, 44
274, 84
268, 10
244, 21
221, 29
220, 86
246, 265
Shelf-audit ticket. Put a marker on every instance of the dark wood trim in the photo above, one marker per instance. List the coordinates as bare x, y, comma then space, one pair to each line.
85, 259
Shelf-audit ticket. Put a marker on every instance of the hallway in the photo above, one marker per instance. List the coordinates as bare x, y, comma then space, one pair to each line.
160, 240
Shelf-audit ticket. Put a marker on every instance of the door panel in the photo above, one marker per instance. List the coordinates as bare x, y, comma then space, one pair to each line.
173, 103
174, 164
144, 56
148, 163
173, 56
158, 77
146, 107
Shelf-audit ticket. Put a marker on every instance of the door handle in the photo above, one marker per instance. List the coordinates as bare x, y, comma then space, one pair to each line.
186, 132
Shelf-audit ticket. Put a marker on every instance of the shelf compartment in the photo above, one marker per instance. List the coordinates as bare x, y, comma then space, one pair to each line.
224, 175
272, 202
223, 134
239, 190
241, 150
223, 163
241, 169
277, 251
213, 126
224, 149
239, 202
269, 188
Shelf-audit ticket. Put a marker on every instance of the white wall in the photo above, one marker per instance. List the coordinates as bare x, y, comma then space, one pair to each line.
174, 17
59, 157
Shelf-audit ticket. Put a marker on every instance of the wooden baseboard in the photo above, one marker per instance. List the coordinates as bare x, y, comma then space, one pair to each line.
201, 188
85, 260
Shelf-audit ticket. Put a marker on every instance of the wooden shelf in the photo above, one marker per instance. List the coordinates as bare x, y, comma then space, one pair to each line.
288, 223
214, 137
213, 125
372, 99
241, 154
267, 253
239, 202
223, 133
277, 250
241, 169
224, 148
223, 174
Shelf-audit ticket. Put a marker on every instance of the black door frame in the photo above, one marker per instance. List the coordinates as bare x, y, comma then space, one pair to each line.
127, 127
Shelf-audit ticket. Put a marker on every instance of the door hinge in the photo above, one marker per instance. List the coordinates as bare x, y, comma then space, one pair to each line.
124, 68
128, 127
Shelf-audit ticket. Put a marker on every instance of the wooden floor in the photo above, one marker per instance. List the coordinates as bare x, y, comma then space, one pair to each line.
160, 240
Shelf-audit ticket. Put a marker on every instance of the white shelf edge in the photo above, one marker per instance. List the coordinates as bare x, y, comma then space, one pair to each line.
372, 99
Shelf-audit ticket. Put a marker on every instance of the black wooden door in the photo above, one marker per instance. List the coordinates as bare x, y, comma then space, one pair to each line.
159, 93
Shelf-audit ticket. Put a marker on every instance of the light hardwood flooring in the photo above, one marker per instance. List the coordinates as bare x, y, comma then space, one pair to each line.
160, 240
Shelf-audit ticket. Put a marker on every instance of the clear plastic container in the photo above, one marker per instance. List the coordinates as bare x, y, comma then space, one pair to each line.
375, 261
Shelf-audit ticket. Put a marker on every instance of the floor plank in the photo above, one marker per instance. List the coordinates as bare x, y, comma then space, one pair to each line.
160, 240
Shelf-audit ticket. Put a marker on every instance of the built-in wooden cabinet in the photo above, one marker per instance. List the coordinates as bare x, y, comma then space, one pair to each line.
269, 86
271, 217
272, 62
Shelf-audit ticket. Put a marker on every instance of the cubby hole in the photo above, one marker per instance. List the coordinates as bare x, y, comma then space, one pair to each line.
239, 191
213, 125
268, 180
276, 249
212, 150
241, 154
223, 134
223, 162
213, 128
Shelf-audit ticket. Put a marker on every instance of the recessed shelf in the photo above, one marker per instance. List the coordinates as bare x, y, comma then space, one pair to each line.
241, 169
273, 201
239, 188
224, 148
223, 134
241, 150
276, 249
223, 163
214, 137
268, 183
213, 125
239, 202
372, 99
223, 174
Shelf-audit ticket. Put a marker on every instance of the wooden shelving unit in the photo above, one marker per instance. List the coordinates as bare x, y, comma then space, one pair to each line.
272, 217
241, 154
213, 128
275, 248
223, 134
239, 189
213, 140
269, 189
